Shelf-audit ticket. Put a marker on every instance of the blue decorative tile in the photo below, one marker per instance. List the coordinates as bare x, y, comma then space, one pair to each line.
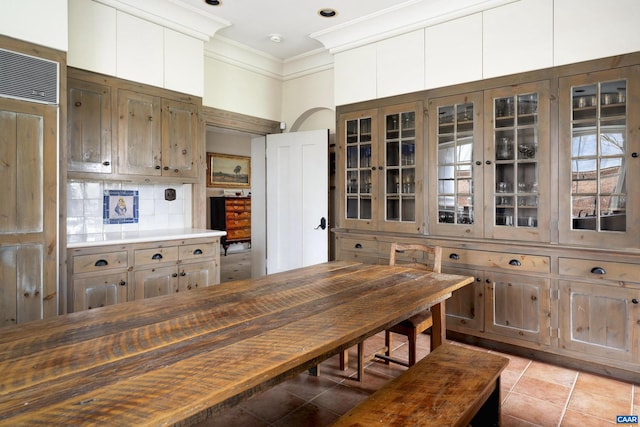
120, 207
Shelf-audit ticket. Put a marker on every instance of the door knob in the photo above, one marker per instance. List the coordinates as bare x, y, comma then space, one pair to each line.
323, 224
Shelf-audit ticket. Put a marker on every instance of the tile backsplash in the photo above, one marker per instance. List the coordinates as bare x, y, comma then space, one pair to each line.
85, 213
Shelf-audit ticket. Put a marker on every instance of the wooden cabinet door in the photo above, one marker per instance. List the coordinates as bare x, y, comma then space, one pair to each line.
518, 307
465, 308
88, 127
99, 291
179, 139
139, 134
600, 320
155, 282
28, 212
197, 275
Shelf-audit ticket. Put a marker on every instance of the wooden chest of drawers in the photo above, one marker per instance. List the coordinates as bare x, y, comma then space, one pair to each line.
233, 215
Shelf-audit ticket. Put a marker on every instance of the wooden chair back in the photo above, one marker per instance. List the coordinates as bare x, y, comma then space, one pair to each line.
430, 252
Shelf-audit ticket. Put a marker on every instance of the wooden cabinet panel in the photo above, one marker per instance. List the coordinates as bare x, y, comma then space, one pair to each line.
139, 131
600, 320
88, 127
196, 275
465, 308
154, 282
28, 212
518, 307
99, 291
179, 139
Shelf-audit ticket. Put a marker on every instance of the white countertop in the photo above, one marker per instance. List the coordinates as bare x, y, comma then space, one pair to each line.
97, 239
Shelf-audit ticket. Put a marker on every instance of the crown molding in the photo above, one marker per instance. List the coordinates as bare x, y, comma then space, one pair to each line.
171, 14
400, 19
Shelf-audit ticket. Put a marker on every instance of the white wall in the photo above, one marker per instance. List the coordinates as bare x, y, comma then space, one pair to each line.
309, 97
36, 21
514, 37
234, 88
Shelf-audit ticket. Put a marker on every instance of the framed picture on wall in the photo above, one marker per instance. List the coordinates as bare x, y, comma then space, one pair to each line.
224, 170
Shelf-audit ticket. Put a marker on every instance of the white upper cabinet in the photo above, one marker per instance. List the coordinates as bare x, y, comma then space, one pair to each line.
140, 47
590, 29
92, 28
400, 64
510, 47
355, 75
453, 52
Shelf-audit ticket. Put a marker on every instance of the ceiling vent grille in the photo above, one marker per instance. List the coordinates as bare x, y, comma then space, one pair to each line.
27, 77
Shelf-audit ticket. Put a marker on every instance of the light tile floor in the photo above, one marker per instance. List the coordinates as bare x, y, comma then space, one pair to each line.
532, 393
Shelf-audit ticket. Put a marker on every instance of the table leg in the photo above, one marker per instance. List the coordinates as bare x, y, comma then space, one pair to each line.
439, 328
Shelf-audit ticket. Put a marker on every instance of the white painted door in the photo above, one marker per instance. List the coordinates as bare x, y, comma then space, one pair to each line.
297, 199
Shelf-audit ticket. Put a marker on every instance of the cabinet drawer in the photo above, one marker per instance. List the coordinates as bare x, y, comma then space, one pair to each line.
238, 223
508, 261
359, 245
200, 250
242, 233
594, 269
156, 255
99, 262
236, 215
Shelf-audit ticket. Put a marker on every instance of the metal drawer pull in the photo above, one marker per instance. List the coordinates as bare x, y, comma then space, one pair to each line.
454, 256
635, 300
122, 283
157, 256
598, 270
197, 252
358, 246
182, 273
515, 263
101, 263
174, 275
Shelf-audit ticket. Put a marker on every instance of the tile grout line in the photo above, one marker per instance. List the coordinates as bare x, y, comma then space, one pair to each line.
566, 405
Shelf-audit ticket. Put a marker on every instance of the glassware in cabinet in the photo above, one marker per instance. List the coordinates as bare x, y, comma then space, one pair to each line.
517, 162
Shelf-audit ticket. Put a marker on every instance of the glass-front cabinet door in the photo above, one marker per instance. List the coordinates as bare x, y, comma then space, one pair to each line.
360, 160
401, 154
517, 162
380, 161
455, 124
599, 161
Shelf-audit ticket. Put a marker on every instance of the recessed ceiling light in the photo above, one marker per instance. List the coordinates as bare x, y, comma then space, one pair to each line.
213, 2
276, 38
327, 13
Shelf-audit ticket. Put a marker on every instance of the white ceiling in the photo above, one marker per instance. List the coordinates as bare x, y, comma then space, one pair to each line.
253, 21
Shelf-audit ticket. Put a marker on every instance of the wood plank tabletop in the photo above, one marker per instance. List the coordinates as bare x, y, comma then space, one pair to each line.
167, 359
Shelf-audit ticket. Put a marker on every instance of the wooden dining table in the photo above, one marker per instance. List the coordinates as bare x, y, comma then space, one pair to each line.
180, 358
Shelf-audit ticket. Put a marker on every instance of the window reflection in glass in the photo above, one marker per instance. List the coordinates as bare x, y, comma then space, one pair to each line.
598, 149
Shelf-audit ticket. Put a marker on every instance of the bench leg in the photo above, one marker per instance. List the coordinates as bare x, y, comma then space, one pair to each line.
489, 413
315, 371
412, 337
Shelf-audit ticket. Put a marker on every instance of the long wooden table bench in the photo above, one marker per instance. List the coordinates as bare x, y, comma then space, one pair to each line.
452, 386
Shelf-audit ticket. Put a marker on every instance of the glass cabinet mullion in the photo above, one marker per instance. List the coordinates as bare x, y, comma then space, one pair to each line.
400, 167
454, 168
358, 163
516, 163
